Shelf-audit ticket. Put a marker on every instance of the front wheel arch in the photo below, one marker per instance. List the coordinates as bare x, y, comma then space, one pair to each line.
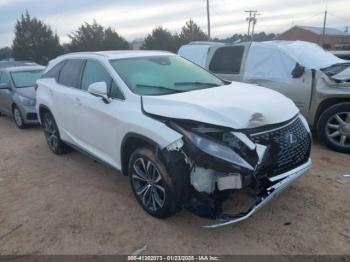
130, 143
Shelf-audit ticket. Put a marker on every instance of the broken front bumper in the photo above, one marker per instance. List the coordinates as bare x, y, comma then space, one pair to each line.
284, 181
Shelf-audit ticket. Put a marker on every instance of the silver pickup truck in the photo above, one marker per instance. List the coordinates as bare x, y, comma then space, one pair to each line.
317, 81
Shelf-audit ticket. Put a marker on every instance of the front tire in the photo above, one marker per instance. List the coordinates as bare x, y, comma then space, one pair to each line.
333, 127
52, 135
17, 116
151, 183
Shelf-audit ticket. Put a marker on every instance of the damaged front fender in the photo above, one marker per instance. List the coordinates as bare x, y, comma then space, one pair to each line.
215, 168
272, 159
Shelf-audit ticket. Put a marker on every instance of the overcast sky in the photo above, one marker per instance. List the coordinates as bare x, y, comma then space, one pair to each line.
136, 18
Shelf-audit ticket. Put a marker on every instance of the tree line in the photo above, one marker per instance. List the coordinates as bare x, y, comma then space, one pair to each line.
35, 40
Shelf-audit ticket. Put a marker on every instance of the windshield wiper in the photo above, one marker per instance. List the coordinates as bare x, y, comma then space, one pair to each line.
196, 83
160, 87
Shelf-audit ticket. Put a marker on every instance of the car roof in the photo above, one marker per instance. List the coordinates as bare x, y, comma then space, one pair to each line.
23, 68
6, 64
120, 54
215, 44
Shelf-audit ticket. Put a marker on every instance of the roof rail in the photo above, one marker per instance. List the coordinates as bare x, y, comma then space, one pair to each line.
205, 43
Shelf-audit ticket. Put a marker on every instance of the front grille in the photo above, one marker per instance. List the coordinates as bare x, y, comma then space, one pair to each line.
287, 148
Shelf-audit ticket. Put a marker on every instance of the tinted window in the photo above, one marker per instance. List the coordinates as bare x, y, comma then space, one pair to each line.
95, 72
70, 73
4, 79
227, 60
115, 91
55, 71
25, 78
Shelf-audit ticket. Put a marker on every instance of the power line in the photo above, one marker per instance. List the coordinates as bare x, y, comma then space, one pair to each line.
308, 18
339, 17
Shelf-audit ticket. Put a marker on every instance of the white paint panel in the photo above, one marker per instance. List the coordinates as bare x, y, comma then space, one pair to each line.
237, 105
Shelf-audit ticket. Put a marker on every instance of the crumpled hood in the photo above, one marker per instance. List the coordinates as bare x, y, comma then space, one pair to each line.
343, 75
26, 91
237, 106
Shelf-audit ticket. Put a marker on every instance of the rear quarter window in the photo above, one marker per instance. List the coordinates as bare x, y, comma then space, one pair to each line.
227, 60
71, 73
55, 71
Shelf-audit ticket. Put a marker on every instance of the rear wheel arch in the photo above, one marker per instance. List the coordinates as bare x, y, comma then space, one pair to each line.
130, 143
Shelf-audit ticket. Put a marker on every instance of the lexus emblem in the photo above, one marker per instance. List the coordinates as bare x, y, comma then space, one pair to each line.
291, 139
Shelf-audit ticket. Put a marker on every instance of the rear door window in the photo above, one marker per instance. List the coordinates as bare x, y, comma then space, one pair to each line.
227, 60
71, 73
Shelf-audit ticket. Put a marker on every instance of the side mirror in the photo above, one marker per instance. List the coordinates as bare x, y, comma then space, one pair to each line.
99, 89
298, 71
4, 86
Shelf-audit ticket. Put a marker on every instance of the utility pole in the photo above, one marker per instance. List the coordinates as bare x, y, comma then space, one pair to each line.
251, 21
324, 29
254, 23
208, 19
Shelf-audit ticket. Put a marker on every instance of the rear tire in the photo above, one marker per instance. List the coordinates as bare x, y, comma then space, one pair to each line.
152, 184
52, 134
17, 116
333, 127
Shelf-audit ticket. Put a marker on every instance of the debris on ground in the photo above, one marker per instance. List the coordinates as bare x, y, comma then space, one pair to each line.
139, 251
10, 232
343, 179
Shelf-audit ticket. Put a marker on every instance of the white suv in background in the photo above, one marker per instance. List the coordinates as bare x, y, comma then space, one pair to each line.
184, 137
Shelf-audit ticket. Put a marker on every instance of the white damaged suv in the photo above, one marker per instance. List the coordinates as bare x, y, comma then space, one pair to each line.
184, 137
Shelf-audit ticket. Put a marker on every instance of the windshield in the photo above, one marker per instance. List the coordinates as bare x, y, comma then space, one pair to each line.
25, 78
162, 75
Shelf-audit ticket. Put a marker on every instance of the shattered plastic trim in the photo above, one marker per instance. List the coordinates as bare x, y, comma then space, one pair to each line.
274, 191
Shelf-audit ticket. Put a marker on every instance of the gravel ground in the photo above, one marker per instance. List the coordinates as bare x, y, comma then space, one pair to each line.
71, 205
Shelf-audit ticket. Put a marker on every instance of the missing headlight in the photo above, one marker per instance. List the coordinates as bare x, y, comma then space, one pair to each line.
220, 144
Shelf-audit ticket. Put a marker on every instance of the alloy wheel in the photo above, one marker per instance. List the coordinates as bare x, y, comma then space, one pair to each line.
17, 116
50, 132
338, 129
148, 184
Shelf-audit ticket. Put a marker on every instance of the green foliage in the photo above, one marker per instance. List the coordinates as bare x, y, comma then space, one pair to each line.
160, 39
5, 53
191, 32
94, 37
34, 40
259, 37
